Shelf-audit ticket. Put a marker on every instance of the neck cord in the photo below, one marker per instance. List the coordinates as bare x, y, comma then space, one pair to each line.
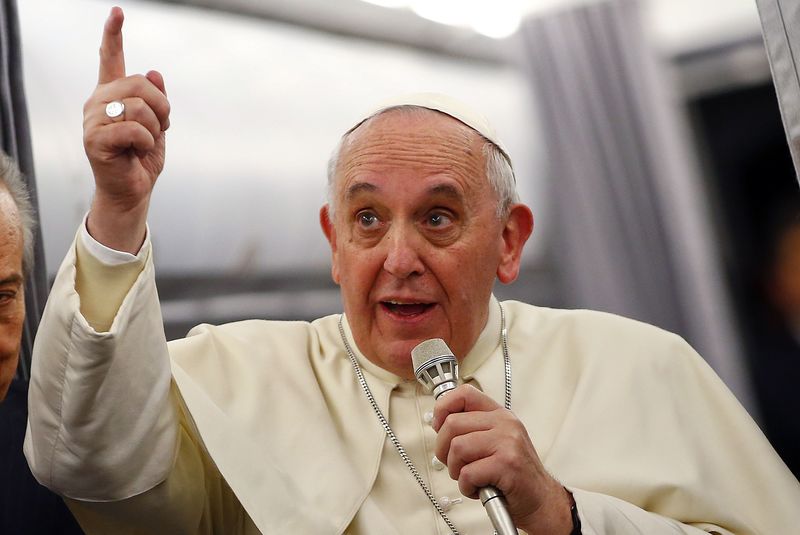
385, 423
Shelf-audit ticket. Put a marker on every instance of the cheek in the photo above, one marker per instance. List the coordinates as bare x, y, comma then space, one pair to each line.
10, 336
11, 323
356, 271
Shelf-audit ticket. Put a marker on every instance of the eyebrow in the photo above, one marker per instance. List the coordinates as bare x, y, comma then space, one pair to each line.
359, 187
15, 278
446, 190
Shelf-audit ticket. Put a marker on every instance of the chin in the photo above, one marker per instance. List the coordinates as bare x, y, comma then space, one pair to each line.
398, 357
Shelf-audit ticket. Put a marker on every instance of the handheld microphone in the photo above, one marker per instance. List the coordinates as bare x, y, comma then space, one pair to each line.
437, 369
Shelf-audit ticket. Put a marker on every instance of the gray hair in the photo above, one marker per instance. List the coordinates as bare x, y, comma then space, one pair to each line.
11, 179
498, 165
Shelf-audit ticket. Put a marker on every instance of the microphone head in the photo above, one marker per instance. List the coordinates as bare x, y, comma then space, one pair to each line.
435, 366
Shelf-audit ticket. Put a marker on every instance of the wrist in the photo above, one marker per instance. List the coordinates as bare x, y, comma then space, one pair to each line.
573, 511
554, 517
119, 229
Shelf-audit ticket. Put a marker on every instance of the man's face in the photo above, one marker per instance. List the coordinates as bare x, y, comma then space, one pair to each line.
12, 290
416, 240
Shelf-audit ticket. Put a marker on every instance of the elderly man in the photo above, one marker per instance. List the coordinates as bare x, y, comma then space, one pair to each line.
586, 422
16, 255
25, 506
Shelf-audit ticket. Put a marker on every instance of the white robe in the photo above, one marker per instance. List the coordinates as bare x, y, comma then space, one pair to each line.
280, 437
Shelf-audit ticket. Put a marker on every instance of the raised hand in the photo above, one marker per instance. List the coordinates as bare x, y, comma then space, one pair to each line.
484, 444
126, 153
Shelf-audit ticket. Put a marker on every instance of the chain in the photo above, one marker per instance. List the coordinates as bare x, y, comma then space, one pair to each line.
506, 358
390, 433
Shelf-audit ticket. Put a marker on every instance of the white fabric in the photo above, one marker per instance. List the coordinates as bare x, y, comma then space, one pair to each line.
281, 440
74, 381
107, 255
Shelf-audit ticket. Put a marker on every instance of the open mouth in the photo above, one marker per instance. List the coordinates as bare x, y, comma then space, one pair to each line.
406, 310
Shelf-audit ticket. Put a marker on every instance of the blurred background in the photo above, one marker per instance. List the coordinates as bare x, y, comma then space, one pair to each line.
646, 137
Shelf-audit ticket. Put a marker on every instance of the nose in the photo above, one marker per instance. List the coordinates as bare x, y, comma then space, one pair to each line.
403, 253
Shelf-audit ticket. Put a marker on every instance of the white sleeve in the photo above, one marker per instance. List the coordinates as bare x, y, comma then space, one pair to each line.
102, 424
108, 256
601, 514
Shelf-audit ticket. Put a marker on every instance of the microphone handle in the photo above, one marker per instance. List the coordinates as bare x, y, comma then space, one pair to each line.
492, 499
495, 505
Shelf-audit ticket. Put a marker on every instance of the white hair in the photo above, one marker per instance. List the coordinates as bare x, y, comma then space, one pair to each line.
11, 179
498, 170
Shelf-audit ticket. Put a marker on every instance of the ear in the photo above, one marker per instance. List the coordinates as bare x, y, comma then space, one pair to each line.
517, 230
330, 233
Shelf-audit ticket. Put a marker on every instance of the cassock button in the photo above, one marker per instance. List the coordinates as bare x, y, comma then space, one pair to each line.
436, 463
428, 417
446, 502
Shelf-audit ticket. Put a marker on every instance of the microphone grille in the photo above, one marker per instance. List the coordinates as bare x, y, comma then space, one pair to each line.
428, 350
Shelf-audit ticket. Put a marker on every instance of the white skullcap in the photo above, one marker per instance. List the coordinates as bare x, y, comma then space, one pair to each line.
444, 104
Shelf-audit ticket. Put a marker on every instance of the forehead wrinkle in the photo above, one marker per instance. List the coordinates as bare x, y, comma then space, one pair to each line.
388, 153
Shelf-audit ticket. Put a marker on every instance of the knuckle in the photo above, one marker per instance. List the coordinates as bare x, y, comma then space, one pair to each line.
458, 446
518, 434
508, 457
466, 482
90, 140
453, 471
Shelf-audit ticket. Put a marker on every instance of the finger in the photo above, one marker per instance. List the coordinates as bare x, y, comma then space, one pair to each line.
465, 398
137, 110
157, 80
136, 85
113, 139
458, 424
476, 475
112, 57
466, 449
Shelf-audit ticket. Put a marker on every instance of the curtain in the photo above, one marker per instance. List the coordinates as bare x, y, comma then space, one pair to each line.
15, 140
633, 235
780, 22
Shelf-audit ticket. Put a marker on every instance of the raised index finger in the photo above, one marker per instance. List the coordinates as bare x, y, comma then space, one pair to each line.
112, 57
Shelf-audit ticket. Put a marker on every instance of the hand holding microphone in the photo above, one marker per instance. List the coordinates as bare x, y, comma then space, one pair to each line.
437, 369
486, 448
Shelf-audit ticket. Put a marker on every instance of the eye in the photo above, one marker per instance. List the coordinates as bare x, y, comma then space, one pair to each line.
367, 220
439, 219
7, 296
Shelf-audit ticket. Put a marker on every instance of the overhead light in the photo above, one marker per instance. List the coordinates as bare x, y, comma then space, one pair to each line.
497, 19
498, 24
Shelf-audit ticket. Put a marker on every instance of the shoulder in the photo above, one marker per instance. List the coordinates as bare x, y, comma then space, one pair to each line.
260, 331
579, 321
592, 339
258, 341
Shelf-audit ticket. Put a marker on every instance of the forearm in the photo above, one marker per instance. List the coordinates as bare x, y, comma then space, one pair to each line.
192, 500
102, 425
